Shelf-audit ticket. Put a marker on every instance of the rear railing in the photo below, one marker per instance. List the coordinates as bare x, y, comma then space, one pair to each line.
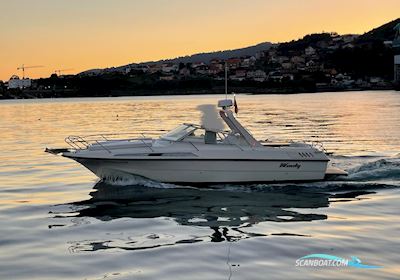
315, 144
318, 145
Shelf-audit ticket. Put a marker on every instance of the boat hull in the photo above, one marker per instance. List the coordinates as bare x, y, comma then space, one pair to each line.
209, 170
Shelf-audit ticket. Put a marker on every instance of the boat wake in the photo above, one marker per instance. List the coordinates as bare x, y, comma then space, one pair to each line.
133, 180
386, 168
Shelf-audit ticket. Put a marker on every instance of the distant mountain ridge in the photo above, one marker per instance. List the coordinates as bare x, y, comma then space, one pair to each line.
201, 57
206, 57
384, 32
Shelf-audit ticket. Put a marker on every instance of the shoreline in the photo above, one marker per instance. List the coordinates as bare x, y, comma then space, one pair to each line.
54, 94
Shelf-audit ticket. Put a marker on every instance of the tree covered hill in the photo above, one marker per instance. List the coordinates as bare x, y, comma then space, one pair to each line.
383, 33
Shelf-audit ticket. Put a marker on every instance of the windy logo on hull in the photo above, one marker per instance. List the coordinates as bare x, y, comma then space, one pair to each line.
289, 165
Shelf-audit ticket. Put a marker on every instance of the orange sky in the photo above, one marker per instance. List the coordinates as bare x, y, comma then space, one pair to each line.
84, 34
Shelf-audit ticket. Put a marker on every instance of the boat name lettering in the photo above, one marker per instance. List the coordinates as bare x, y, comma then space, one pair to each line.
290, 165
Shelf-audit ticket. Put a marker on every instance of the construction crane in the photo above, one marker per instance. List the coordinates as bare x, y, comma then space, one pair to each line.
23, 67
59, 72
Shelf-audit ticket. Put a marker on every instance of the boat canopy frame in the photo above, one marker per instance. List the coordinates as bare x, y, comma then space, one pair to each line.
184, 130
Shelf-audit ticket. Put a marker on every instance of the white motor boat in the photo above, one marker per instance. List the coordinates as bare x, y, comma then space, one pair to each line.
198, 154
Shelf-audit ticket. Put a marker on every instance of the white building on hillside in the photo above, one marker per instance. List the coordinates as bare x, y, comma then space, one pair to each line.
258, 75
310, 51
169, 67
16, 82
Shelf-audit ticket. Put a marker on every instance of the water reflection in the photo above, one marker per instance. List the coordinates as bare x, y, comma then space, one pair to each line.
201, 207
228, 213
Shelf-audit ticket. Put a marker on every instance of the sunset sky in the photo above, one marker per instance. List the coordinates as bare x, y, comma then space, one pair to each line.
85, 34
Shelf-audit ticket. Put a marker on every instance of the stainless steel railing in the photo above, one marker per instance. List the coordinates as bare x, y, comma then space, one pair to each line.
315, 144
318, 145
84, 142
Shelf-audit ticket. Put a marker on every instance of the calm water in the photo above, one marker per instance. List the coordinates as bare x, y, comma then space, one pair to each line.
58, 222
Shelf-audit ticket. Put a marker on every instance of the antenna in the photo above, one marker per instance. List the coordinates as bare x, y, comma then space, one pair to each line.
23, 67
226, 80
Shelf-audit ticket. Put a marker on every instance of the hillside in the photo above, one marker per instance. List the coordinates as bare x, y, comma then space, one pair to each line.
380, 34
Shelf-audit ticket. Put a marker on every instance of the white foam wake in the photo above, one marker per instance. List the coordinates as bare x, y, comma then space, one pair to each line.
133, 180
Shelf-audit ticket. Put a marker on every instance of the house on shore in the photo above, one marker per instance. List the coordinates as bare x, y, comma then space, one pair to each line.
15, 82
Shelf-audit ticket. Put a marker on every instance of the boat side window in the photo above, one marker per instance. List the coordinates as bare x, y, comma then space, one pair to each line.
179, 133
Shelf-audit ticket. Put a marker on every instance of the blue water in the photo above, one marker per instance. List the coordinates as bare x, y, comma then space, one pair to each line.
57, 221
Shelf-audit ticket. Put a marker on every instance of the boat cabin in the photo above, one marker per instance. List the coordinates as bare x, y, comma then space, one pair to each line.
200, 134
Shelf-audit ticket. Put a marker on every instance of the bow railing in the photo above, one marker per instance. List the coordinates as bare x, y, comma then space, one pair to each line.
100, 140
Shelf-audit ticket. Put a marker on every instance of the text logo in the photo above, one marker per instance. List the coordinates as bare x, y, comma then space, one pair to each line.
289, 165
318, 260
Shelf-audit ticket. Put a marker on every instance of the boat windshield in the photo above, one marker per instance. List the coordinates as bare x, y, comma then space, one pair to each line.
179, 133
